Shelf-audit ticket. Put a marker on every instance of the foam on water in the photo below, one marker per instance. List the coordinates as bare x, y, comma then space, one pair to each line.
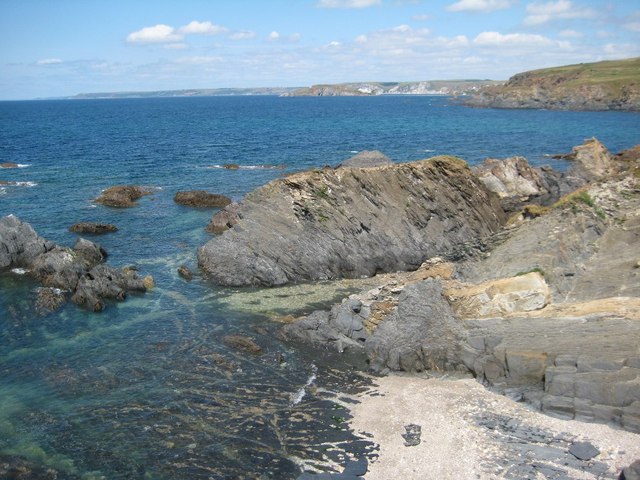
297, 397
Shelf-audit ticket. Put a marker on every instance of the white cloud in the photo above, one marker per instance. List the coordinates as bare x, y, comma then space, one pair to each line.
157, 34
294, 37
202, 28
273, 36
479, 5
421, 17
203, 60
511, 39
561, 9
176, 46
49, 61
348, 3
242, 35
633, 26
570, 34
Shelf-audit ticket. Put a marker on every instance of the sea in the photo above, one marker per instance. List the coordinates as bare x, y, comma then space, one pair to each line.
149, 388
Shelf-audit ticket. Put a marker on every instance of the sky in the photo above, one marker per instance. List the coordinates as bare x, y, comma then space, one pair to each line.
53, 48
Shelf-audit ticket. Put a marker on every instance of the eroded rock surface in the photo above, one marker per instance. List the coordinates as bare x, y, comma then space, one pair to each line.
550, 315
352, 222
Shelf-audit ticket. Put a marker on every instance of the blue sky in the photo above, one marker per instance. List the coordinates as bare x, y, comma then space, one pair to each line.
57, 48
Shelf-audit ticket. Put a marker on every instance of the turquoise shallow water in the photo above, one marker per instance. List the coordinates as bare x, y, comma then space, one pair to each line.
148, 388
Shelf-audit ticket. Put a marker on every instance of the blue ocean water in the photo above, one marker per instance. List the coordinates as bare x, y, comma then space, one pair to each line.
148, 388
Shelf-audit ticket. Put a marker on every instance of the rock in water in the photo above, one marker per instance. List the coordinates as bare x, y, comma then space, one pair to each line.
92, 227
201, 198
121, 196
353, 222
79, 271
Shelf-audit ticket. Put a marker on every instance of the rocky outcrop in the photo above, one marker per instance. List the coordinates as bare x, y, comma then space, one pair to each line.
608, 85
224, 219
550, 315
122, 196
78, 272
92, 227
8, 165
366, 159
352, 222
201, 199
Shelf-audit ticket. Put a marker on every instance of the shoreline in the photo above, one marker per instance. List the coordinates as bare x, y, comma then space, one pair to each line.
468, 432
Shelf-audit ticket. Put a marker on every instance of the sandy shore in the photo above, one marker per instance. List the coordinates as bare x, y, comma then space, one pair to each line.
468, 432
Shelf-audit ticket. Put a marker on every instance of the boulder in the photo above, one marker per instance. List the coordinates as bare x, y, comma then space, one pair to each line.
121, 196
366, 159
502, 297
591, 161
8, 165
92, 227
632, 472
352, 222
201, 198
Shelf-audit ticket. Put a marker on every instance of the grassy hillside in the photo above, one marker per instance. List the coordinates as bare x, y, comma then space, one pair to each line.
607, 85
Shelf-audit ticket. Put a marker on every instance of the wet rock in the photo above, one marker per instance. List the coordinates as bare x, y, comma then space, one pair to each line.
122, 196
185, 272
49, 300
79, 271
231, 166
201, 198
91, 227
352, 222
8, 165
242, 343
583, 450
367, 159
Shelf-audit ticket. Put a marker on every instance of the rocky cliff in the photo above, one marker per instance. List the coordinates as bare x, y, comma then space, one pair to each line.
550, 315
609, 85
351, 222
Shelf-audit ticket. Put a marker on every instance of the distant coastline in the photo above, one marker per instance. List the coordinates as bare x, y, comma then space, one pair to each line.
426, 87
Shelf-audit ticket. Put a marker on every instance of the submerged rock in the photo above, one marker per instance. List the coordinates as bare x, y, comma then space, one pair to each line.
79, 270
185, 272
352, 222
92, 227
121, 196
201, 198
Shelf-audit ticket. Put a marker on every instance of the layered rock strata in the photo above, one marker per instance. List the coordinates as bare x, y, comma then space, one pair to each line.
351, 222
551, 314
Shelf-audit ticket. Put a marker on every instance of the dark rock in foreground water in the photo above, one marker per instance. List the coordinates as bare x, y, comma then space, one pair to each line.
351, 222
91, 227
201, 198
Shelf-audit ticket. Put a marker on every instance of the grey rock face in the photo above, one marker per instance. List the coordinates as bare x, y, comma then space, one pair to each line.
19, 243
351, 222
421, 334
367, 159
79, 271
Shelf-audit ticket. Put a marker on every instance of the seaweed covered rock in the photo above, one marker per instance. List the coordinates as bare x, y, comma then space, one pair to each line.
121, 196
201, 198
